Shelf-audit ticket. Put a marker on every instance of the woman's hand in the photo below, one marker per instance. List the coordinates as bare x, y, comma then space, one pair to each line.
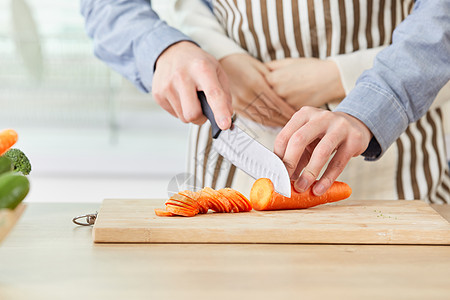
305, 81
252, 95
311, 137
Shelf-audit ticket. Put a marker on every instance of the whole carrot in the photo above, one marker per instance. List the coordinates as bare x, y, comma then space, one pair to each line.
264, 197
8, 138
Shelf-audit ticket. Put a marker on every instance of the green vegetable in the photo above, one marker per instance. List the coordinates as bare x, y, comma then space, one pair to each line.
5, 165
14, 187
20, 161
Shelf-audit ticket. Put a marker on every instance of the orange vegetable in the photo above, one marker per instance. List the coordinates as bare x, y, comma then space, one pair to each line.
8, 138
264, 197
163, 213
189, 203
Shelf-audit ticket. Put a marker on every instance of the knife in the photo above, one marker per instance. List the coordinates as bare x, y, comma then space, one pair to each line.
246, 153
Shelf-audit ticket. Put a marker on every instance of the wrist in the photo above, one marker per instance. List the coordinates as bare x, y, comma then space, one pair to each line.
175, 49
336, 88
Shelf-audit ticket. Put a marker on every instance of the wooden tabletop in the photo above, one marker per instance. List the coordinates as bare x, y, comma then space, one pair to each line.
47, 257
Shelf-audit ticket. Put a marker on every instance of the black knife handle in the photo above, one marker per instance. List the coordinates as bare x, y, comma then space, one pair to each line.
215, 130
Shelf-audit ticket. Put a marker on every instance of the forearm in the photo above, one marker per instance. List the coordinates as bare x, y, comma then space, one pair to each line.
129, 37
406, 76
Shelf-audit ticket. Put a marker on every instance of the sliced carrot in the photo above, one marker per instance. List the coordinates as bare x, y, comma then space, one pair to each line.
163, 213
8, 138
245, 201
234, 205
264, 197
184, 201
223, 201
233, 196
195, 196
181, 205
215, 203
177, 210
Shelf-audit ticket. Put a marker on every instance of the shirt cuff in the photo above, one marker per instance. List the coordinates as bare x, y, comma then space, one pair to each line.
380, 112
149, 49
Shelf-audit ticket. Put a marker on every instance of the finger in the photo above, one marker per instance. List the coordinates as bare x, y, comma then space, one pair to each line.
174, 101
218, 99
190, 104
280, 63
297, 144
301, 164
296, 122
319, 157
167, 107
160, 97
334, 169
279, 106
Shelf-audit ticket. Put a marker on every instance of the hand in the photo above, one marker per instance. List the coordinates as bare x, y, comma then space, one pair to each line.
311, 137
182, 70
252, 95
305, 81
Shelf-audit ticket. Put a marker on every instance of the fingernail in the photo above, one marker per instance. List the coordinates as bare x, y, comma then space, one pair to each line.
300, 185
224, 122
319, 189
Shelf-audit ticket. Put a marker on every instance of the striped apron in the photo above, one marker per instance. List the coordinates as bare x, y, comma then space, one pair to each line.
414, 167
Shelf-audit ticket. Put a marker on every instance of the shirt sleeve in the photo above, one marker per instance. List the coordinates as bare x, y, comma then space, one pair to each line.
128, 36
405, 78
195, 19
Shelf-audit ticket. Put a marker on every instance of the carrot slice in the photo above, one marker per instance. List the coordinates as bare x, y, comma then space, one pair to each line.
245, 201
163, 213
177, 210
264, 197
228, 192
195, 196
234, 206
223, 201
181, 205
204, 200
215, 203
183, 201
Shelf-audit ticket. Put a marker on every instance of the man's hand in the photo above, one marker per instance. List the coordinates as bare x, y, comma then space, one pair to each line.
305, 81
248, 83
182, 70
311, 137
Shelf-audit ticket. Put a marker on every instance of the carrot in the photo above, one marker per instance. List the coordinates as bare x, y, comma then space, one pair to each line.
234, 206
188, 203
178, 210
163, 213
264, 197
8, 138
244, 200
227, 192
194, 196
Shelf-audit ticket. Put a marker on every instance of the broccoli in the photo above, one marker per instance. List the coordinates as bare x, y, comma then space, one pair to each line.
20, 161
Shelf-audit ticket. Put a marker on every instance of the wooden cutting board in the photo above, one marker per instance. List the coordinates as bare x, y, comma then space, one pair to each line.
344, 222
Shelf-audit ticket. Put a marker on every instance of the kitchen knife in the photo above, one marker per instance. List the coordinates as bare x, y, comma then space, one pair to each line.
246, 153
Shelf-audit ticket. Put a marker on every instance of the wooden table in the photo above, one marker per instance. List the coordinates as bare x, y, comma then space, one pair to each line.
48, 257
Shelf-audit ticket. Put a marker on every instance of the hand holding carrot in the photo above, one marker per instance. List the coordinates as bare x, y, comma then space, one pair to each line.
311, 137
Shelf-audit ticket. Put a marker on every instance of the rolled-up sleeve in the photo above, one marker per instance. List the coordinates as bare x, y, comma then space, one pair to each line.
405, 78
128, 36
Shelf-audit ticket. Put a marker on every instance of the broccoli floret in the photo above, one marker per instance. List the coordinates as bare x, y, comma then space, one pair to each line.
20, 161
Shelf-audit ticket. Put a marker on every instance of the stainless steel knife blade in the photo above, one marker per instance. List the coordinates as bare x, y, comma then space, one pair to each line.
253, 158
246, 153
